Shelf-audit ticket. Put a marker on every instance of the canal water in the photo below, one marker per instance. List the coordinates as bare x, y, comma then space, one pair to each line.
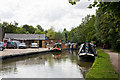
65, 64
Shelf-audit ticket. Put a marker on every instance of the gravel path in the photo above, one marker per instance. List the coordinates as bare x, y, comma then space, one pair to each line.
115, 59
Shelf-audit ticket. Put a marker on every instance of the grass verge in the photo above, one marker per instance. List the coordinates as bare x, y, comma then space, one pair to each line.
102, 68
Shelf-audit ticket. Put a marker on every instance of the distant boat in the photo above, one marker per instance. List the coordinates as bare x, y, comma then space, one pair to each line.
57, 47
87, 50
74, 46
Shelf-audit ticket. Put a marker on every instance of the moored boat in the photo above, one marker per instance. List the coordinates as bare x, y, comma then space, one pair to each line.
87, 50
57, 47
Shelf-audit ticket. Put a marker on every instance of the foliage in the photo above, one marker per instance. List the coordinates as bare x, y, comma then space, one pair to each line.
20, 30
25, 29
8, 28
102, 28
40, 28
51, 33
73, 1
58, 35
107, 24
30, 28
84, 32
65, 35
102, 68
38, 31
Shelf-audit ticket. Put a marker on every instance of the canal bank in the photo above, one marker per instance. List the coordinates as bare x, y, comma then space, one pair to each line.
10, 53
102, 68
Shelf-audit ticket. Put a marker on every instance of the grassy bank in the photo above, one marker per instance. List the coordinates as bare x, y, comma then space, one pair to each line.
102, 68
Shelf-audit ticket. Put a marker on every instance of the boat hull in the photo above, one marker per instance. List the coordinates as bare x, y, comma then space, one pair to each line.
86, 54
56, 49
87, 57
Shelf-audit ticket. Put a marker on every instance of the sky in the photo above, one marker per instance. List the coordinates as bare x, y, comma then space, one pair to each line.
57, 13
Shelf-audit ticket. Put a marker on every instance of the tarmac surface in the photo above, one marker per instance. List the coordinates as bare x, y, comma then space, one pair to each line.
115, 59
9, 52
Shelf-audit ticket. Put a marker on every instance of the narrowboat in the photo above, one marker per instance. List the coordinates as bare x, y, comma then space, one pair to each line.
57, 47
87, 50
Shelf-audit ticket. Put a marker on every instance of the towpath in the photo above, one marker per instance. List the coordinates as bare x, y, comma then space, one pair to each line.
12, 52
115, 59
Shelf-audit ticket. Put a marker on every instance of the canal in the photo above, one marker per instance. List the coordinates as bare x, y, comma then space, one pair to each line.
65, 64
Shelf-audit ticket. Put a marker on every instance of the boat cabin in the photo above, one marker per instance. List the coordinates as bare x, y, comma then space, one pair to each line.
57, 47
87, 49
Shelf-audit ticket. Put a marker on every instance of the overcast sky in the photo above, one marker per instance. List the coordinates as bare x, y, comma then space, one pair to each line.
58, 13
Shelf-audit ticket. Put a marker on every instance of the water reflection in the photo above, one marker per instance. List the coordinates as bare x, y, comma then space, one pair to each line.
65, 64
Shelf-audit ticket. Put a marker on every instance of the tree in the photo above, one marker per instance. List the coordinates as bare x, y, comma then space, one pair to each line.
58, 35
40, 28
46, 31
73, 1
30, 28
51, 33
9, 28
20, 30
85, 31
107, 24
15, 23
38, 31
65, 35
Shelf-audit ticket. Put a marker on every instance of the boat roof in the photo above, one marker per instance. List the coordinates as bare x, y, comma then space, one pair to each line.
57, 44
